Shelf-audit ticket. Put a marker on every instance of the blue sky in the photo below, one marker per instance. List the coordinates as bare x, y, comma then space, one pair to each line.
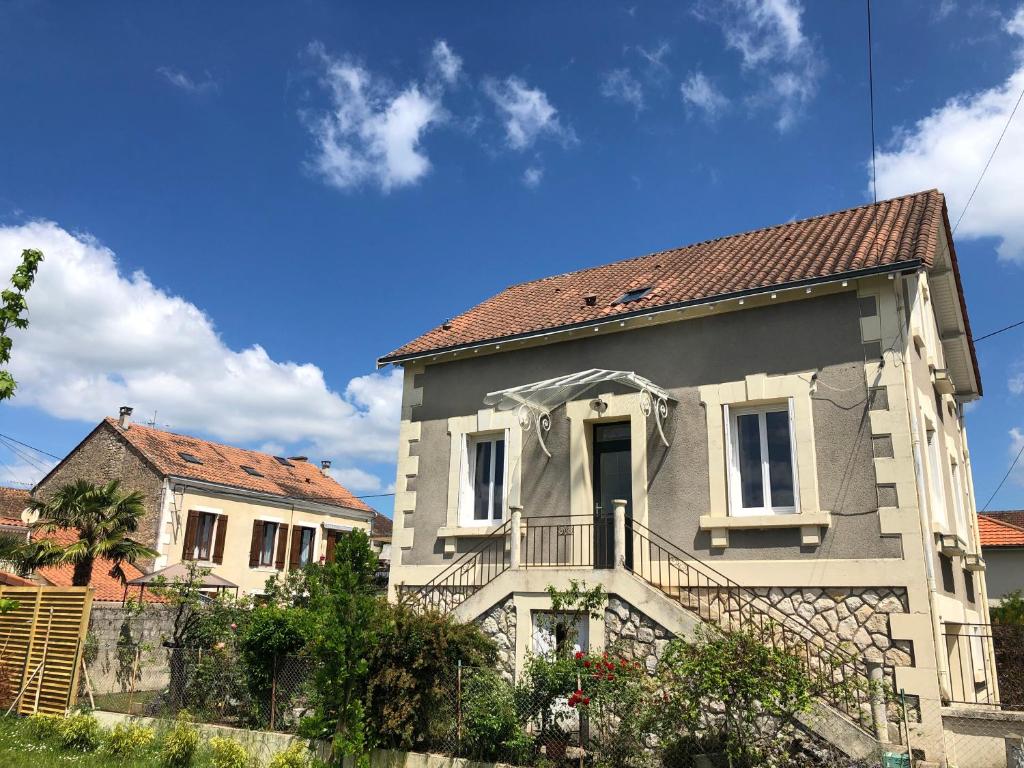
244, 205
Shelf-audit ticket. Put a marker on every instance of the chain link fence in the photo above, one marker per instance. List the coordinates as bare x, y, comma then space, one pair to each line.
213, 685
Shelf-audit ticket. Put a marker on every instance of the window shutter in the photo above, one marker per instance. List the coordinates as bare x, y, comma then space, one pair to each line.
254, 547
729, 485
332, 541
293, 558
218, 542
282, 546
189, 547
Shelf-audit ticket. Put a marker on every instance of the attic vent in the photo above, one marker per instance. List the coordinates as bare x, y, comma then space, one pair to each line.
634, 295
590, 299
252, 471
283, 461
190, 458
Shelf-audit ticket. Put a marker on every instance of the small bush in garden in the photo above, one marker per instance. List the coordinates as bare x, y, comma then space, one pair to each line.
127, 739
228, 753
180, 744
489, 722
296, 756
41, 726
80, 731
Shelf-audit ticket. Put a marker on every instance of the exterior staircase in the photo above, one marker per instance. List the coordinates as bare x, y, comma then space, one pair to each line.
845, 683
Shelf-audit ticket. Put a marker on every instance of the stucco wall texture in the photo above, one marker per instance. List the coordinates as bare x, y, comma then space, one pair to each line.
813, 334
104, 456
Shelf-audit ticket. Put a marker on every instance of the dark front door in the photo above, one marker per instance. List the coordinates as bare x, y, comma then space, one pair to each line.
613, 479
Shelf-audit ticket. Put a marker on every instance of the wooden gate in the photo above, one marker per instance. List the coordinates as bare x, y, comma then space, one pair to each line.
41, 645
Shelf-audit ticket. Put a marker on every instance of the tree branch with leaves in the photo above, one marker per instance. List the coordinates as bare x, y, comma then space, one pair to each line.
13, 310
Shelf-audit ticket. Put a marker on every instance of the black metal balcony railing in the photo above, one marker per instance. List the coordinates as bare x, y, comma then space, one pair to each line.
986, 664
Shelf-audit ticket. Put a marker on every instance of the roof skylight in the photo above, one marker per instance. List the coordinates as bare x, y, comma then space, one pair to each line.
632, 295
190, 458
283, 461
252, 471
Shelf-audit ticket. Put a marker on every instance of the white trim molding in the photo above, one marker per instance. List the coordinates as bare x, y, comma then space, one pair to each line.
756, 390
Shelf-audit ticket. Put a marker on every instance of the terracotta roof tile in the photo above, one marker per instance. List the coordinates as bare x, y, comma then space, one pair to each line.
381, 526
12, 502
890, 232
997, 532
1011, 516
223, 464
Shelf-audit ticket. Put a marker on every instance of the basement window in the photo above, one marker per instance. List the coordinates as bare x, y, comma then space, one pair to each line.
283, 461
190, 458
633, 295
252, 471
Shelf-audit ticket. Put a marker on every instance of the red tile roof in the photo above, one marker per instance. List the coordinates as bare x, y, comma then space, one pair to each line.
381, 527
12, 502
997, 532
223, 464
902, 231
1011, 516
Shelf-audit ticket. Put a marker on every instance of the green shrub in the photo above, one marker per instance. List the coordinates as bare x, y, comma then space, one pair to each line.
42, 726
490, 725
127, 739
180, 744
228, 753
296, 756
80, 731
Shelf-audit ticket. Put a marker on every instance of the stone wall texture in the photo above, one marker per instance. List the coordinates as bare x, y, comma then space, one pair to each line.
122, 645
499, 624
629, 631
104, 456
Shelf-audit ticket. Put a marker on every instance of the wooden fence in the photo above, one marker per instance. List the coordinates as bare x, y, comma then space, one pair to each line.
41, 644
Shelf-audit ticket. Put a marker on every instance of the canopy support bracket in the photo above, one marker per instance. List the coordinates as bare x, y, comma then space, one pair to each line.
530, 417
652, 403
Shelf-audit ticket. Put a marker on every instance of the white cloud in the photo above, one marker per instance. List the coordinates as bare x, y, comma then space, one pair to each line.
16, 471
655, 57
447, 62
1016, 443
769, 36
948, 149
532, 176
99, 338
943, 9
360, 482
620, 85
701, 93
180, 79
526, 112
372, 133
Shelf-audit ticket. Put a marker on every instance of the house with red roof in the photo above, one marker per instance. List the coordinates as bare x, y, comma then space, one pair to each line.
243, 514
766, 428
1002, 541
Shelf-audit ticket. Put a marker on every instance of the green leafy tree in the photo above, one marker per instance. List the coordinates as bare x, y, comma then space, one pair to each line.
345, 623
104, 517
1010, 610
13, 308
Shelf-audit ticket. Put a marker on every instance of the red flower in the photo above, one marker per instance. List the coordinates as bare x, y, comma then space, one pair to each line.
587, 663
586, 700
609, 665
579, 655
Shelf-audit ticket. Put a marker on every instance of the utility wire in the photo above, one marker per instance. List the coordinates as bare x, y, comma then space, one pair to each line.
996, 333
994, 150
1004, 479
28, 458
871, 101
26, 445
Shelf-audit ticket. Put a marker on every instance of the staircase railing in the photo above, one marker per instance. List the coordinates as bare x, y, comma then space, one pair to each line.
470, 573
842, 678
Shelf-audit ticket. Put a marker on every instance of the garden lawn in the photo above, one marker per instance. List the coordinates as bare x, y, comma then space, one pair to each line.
18, 749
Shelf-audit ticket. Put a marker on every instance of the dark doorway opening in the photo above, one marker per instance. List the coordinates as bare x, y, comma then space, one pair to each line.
613, 479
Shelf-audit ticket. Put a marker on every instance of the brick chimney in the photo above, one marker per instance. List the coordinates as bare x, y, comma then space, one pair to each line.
124, 419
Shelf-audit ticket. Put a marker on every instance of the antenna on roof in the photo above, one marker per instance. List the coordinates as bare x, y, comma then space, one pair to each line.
152, 422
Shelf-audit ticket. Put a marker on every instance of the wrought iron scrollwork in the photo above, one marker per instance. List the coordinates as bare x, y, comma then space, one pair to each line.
535, 417
658, 406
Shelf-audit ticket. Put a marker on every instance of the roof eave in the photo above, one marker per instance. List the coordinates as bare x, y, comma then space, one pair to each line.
320, 507
909, 265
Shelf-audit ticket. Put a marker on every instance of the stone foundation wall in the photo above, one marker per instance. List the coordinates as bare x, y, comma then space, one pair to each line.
859, 616
634, 633
499, 624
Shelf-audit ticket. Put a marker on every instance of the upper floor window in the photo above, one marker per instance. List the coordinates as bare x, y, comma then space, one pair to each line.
203, 549
268, 545
958, 503
485, 484
762, 480
204, 537
305, 538
938, 488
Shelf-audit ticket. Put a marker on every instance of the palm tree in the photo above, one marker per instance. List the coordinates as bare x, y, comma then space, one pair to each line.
103, 515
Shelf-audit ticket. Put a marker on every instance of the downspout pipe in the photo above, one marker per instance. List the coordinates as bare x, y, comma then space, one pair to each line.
923, 508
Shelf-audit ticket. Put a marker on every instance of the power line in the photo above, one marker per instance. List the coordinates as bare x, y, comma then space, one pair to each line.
994, 150
26, 445
871, 101
373, 496
32, 461
1016, 459
996, 333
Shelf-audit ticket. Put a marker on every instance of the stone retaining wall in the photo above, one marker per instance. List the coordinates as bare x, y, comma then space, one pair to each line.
630, 631
499, 624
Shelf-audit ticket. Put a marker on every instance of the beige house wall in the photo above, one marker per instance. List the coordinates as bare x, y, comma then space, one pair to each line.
240, 515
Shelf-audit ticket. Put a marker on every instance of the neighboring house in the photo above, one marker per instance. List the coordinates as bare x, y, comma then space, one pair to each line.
244, 514
769, 423
107, 588
1002, 543
380, 537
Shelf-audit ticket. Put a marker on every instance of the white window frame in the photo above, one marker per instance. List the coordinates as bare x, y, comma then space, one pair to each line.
959, 511
467, 495
940, 508
736, 508
203, 514
312, 544
273, 548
